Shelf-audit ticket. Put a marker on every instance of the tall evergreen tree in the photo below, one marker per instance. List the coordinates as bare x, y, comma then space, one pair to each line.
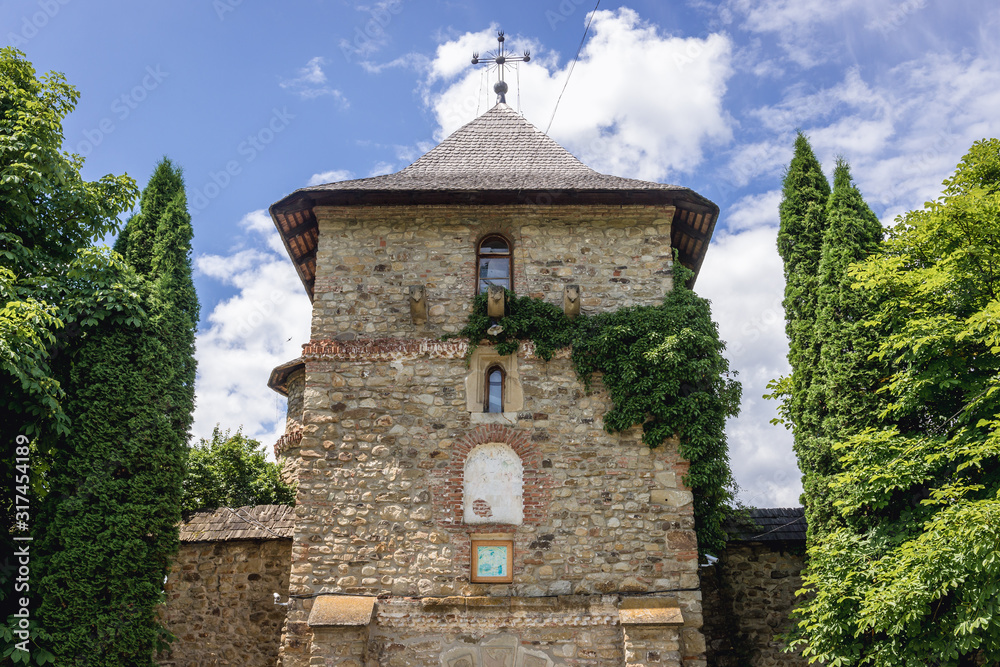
116, 481
803, 213
841, 398
911, 576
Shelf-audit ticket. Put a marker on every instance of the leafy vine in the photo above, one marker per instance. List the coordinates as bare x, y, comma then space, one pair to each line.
663, 369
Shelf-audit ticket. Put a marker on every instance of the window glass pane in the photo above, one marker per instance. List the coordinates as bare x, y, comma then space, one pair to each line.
494, 271
494, 246
494, 391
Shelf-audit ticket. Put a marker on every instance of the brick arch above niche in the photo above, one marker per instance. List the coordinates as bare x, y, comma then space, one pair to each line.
448, 485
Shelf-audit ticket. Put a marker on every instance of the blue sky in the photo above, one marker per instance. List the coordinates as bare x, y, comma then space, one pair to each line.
254, 100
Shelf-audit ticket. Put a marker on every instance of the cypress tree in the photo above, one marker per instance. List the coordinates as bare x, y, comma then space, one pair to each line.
115, 498
841, 396
142, 230
803, 212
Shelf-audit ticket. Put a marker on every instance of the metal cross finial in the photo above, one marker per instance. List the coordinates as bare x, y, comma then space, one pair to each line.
500, 59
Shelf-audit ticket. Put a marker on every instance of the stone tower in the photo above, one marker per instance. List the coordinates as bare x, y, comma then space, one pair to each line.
476, 513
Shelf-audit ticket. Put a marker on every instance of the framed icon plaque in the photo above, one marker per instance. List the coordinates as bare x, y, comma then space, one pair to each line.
493, 561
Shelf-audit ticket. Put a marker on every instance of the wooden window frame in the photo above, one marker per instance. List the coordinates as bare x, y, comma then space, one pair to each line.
506, 579
509, 257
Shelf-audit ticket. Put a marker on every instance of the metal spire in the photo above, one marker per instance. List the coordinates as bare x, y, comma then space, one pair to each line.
500, 59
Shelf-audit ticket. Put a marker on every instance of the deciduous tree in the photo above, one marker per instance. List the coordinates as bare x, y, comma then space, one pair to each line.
231, 470
913, 575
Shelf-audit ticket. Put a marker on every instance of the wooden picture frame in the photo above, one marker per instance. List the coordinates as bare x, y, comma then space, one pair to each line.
492, 561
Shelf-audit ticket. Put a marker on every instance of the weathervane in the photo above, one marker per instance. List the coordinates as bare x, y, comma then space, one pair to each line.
501, 58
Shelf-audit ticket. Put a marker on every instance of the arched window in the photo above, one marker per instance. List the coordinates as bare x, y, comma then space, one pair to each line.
493, 257
494, 389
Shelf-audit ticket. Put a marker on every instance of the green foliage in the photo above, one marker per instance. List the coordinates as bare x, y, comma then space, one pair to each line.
231, 470
55, 288
49, 216
913, 574
663, 369
841, 398
803, 214
159, 249
111, 515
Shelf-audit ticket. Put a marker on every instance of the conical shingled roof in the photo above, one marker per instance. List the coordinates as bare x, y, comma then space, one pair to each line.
498, 158
499, 150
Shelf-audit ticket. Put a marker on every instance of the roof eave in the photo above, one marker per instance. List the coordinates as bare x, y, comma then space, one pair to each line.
294, 214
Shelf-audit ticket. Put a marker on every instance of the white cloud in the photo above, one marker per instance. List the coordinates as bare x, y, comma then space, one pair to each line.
263, 325
753, 211
311, 83
903, 132
381, 168
331, 176
638, 104
742, 276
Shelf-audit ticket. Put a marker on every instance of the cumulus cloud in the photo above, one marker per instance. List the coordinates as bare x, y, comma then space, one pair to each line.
902, 134
742, 277
331, 176
640, 103
311, 83
263, 325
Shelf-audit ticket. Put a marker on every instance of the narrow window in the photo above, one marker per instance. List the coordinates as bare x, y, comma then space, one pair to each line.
494, 390
494, 261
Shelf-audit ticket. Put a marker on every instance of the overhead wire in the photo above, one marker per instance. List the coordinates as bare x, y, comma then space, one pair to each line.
573, 65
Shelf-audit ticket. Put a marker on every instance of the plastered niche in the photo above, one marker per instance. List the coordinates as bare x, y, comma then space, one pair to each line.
493, 485
475, 382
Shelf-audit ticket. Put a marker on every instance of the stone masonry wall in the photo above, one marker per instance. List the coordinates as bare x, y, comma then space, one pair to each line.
386, 429
748, 596
369, 256
383, 439
220, 603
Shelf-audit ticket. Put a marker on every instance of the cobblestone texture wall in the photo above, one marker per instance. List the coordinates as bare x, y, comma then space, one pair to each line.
386, 429
369, 256
220, 603
748, 596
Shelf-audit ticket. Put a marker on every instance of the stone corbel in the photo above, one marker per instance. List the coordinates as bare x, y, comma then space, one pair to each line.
418, 304
341, 626
495, 301
571, 301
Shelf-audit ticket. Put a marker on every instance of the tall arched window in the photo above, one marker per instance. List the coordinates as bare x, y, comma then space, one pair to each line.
493, 257
494, 389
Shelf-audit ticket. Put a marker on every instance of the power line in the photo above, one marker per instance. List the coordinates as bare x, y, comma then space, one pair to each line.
573, 64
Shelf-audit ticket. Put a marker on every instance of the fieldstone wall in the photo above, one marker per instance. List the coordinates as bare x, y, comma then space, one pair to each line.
748, 597
220, 603
387, 429
369, 256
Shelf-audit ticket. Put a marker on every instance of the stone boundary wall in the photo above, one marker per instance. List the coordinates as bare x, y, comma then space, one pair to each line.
220, 603
747, 597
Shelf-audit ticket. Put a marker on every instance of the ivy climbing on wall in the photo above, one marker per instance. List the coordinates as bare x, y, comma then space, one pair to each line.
663, 368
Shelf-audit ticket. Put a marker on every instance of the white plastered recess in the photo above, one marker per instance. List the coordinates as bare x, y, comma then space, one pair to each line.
493, 485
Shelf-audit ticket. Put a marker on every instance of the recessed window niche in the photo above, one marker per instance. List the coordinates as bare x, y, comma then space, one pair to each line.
493, 485
484, 361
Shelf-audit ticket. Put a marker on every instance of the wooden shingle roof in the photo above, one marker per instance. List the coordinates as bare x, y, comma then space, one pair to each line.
498, 158
775, 524
253, 522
